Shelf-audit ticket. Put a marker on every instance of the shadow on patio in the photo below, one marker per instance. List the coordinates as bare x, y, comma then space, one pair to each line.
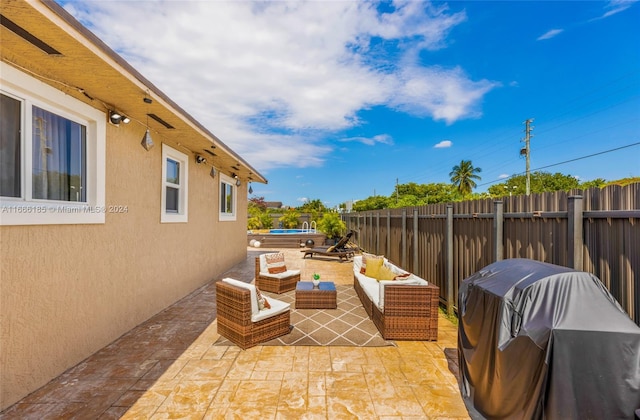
168, 367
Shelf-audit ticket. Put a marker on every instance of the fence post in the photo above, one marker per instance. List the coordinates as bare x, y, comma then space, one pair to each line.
416, 266
378, 233
498, 230
449, 257
575, 232
403, 253
388, 251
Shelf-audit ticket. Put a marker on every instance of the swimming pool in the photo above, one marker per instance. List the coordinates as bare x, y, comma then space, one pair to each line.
291, 231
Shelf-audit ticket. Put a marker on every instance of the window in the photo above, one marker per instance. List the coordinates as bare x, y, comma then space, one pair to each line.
174, 188
10, 147
228, 191
52, 155
59, 170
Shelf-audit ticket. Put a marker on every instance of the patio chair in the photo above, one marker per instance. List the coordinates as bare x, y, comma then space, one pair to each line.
242, 322
342, 249
270, 275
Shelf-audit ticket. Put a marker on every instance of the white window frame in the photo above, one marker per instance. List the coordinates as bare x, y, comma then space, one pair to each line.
182, 216
25, 210
223, 216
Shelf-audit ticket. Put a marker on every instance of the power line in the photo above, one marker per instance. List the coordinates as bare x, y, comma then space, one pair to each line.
569, 161
588, 156
503, 138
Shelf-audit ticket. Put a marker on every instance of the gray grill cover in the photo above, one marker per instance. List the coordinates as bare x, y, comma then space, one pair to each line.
536, 340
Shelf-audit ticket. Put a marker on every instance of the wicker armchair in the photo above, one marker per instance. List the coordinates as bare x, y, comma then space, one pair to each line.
275, 283
240, 320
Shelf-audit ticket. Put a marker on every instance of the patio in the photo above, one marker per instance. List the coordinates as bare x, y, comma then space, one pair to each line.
168, 367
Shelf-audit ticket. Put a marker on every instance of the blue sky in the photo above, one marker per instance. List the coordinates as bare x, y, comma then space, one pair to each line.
339, 100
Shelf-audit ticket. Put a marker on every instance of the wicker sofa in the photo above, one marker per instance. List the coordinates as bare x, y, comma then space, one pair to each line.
405, 309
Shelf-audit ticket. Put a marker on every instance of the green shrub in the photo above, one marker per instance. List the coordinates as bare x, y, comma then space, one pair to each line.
332, 225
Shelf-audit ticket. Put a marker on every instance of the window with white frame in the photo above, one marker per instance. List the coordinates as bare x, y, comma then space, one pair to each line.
228, 193
52, 155
174, 186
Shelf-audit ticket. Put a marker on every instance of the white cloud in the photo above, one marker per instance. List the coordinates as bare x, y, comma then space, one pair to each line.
617, 6
443, 94
371, 141
503, 176
444, 144
271, 79
550, 34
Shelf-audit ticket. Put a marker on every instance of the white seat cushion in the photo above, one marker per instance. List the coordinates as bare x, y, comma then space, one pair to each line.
282, 275
277, 307
370, 287
251, 288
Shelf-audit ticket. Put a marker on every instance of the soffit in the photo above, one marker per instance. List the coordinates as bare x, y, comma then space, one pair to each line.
92, 73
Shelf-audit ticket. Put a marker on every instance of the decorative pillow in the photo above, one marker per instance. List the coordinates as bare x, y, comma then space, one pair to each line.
368, 257
275, 263
373, 267
263, 303
385, 273
331, 248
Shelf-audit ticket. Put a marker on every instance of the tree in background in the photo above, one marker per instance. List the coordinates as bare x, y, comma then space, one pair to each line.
332, 225
311, 206
542, 182
258, 214
463, 176
314, 207
375, 202
410, 194
290, 219
622, 182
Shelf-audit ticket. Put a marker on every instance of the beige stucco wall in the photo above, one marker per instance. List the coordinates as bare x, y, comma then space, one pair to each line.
68, 290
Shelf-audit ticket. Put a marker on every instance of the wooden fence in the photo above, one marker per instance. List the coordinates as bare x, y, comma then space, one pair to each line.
595, 230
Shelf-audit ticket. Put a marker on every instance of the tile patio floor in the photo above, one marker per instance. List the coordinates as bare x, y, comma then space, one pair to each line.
168, 368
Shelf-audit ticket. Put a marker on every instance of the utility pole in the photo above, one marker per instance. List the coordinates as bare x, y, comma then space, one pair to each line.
396, 190
527, 151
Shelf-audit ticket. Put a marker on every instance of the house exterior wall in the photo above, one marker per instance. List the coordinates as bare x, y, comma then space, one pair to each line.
68, 290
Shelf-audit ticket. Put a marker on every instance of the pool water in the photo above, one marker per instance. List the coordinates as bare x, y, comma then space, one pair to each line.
290, 231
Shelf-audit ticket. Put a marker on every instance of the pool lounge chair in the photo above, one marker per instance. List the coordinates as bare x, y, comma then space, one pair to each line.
342, 249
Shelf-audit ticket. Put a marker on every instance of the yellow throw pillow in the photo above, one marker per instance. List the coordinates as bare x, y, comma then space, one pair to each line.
331, 248
373, 267
368, 257
385, 274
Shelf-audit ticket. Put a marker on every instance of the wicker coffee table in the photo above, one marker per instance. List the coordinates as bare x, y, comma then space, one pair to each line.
322, 297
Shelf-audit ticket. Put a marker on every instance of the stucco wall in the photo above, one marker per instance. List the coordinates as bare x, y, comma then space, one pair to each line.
68, 290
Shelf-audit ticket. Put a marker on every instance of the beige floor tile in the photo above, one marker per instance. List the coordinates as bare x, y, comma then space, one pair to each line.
411, 380
191, 395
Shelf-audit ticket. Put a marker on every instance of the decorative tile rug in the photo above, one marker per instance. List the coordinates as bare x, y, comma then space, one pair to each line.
348, 325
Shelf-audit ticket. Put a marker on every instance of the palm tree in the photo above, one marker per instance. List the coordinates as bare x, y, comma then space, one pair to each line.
463, 176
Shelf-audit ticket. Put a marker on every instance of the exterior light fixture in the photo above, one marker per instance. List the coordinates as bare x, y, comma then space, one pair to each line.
116, 118
200, 159
213, 172
250, 189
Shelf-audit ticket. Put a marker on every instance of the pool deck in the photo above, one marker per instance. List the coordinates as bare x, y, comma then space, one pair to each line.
168, 367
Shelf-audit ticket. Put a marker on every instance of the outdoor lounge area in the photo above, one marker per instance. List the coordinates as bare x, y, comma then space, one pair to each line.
173, 366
